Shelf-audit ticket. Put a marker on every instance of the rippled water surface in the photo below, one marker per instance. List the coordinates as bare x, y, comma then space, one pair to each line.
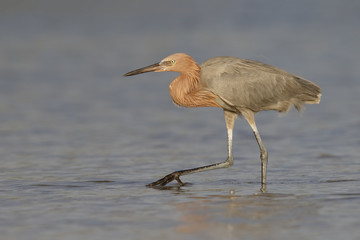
79, 142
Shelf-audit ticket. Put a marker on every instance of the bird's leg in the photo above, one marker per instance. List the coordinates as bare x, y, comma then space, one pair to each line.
263, 153
230, 120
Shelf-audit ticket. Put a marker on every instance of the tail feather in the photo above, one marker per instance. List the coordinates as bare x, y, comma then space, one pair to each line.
310, 94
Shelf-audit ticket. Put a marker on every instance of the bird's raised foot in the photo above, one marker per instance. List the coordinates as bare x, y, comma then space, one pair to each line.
167, 179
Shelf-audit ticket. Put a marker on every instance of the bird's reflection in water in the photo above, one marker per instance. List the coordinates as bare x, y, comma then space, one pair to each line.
234, 216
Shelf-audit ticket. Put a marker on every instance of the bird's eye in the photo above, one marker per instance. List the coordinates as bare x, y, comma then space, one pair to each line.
172, 62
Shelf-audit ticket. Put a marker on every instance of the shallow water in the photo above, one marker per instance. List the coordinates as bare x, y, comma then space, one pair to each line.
79, 142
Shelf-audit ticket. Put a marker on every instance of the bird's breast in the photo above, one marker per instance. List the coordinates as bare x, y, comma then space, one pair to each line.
195, 98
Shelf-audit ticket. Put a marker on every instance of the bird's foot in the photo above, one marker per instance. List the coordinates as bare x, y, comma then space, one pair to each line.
167, 179
263, 188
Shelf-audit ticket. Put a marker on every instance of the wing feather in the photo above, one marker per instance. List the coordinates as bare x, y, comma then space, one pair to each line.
246, 84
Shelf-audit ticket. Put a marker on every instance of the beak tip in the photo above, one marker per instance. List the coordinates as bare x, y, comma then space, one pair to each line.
151, 68
130, 74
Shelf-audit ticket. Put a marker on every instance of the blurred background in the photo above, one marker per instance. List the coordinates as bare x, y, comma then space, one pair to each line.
78, 141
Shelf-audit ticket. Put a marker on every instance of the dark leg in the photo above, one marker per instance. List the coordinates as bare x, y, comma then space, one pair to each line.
230, 120
263, 153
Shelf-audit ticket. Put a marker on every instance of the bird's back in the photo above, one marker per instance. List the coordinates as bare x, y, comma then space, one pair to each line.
245, 84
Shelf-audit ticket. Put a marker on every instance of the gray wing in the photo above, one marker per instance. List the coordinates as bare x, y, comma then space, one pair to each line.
246, 84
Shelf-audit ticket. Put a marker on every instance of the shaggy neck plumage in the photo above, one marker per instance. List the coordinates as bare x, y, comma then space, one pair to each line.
185, 90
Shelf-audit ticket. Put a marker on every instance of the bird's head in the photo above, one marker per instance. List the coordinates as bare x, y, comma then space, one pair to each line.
177, 62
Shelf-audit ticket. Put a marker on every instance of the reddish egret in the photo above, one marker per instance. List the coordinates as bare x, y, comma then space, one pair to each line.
238, 86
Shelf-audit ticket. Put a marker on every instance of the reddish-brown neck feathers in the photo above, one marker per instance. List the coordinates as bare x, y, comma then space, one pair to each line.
185, 90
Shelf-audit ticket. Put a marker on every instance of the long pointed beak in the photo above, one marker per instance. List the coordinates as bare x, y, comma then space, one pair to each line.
151, 68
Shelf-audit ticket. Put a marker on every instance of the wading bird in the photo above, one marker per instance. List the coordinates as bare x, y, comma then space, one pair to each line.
238, 86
